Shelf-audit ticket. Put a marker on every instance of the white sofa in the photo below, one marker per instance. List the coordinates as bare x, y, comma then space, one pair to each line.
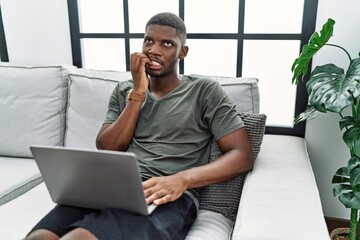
63, 105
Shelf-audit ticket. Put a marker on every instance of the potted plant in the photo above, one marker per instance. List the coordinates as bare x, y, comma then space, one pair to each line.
331, 89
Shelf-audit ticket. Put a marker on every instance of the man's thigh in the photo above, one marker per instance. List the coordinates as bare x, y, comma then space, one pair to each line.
59, 218
169, 221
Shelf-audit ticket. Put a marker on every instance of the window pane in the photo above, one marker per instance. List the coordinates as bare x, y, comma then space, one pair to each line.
136, 45
270, 62
211, 16
211, 57
104, 54
276, 16
106, 16
140, 11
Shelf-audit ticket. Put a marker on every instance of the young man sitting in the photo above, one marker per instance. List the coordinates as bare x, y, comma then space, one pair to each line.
168, 121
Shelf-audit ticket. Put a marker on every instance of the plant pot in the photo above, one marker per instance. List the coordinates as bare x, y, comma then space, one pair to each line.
340, 234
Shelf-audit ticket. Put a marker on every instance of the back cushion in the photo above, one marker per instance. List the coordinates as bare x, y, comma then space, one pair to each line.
89, 94
90, 90
243, 91
32, 107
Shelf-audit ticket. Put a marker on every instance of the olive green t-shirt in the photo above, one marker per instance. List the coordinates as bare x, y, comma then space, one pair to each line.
173, 133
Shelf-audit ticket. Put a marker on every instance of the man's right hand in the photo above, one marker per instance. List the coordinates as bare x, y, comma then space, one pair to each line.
137, 68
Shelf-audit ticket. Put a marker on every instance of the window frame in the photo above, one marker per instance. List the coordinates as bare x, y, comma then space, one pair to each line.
4, 57
308, 27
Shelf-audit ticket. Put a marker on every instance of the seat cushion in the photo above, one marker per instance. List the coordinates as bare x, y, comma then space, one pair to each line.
280, 199
210, 225
20, 215
32, 105
18, 176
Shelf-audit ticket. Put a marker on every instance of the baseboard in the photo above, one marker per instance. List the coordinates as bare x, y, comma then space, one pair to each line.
333, 223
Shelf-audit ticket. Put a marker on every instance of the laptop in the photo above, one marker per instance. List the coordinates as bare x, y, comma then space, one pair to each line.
92, 178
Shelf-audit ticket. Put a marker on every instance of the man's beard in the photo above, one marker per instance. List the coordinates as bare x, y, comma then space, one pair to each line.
157, 75
162, 74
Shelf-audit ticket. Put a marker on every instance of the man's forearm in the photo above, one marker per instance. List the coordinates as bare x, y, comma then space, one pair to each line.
119, 134
160, 190
237, 158
229, 165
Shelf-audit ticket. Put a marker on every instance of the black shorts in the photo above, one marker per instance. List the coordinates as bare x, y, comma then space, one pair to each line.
169, 221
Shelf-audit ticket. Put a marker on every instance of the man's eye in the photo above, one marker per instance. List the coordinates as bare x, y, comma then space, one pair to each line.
168, 44
147, 41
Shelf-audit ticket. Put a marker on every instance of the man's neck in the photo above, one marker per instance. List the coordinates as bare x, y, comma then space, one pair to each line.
161, 86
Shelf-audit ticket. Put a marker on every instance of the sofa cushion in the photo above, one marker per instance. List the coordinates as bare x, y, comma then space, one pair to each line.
85, 116
224, 197
18, 176
84, 120
281, 177
280, 199
210, 225
243, 91
32, 106
19, 216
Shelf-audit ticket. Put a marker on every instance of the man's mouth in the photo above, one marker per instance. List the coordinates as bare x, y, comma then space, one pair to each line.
154, 65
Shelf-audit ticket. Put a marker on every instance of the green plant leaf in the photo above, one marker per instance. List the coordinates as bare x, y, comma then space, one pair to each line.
347, 121
341, 189
356, 190
340, 179
317, 41
330, 89
356, 149
341, 176
345, 185
350, 200
309, 113
355, 177
352, 164
351, 138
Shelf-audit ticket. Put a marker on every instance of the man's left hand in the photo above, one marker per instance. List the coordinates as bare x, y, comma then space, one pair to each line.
160, 190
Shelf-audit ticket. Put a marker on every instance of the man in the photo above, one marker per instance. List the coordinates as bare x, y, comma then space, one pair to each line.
168, 122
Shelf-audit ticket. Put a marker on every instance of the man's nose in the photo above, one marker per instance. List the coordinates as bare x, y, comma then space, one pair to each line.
154, 49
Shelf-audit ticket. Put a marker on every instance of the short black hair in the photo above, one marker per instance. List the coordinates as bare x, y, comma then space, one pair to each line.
171, 20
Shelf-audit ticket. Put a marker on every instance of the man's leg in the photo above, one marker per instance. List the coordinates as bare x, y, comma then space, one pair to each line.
76, 234
42, 234
169, 221
55, 224
79, 234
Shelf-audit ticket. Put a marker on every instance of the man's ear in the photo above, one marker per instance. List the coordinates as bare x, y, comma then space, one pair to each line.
183, 52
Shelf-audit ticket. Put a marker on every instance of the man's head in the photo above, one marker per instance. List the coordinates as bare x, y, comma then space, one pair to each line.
170, 20
164, 44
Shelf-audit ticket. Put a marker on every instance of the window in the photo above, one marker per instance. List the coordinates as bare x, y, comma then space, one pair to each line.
3, 49
254, 38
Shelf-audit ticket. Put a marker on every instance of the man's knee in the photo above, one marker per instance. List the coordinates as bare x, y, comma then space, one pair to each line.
42, 234
79, 234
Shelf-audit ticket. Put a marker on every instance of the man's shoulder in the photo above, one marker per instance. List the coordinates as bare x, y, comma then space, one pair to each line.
201, 80
125, 85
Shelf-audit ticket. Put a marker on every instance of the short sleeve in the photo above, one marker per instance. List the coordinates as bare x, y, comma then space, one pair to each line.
117, 102
219, 111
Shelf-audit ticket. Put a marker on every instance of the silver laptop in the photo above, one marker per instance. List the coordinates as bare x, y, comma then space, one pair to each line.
92, 178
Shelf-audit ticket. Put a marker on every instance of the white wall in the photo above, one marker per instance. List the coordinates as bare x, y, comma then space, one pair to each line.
326, 149
37, 31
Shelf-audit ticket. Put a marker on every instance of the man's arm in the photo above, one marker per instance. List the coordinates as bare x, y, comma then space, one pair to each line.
237, 158
118, 135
